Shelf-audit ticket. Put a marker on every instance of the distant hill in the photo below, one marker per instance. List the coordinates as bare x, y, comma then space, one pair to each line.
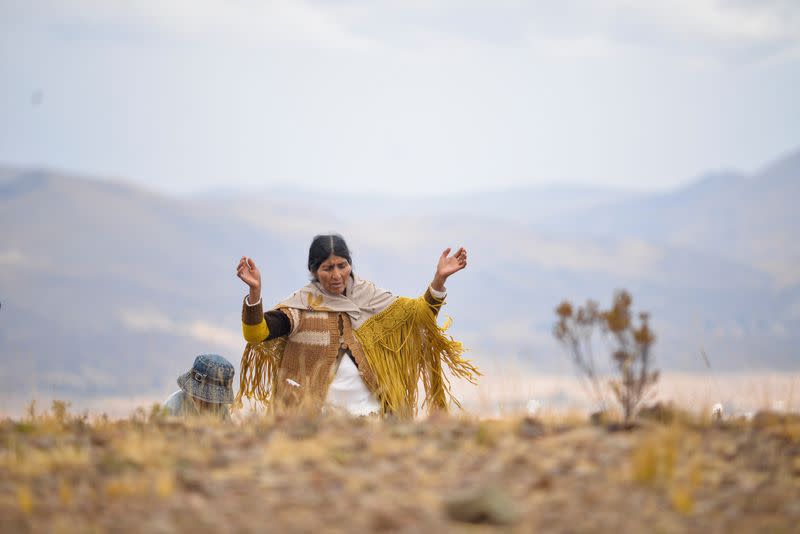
748, 219
529, 205
110, 289
107, 289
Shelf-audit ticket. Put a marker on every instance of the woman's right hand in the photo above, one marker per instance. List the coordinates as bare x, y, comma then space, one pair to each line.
250, 275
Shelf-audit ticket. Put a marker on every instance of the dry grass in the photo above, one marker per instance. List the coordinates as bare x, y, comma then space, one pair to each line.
65, 473
504, 390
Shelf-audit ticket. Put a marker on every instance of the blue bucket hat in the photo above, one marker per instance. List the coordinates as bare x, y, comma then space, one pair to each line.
210, 379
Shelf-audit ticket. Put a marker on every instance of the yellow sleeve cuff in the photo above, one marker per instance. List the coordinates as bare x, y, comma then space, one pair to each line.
255, 333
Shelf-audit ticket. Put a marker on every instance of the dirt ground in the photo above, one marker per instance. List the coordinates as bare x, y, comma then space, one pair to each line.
147, 473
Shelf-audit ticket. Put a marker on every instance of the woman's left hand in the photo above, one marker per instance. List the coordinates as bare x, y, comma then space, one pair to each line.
448, 265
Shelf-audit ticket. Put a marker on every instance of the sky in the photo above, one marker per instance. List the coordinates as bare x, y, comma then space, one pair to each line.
404, 96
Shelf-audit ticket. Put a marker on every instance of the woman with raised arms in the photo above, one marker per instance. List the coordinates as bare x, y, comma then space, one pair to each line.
342, 343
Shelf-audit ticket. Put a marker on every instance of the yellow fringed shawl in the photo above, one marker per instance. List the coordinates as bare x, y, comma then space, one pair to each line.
403, 344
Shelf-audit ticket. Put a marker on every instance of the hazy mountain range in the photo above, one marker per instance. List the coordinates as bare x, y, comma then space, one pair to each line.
107, 289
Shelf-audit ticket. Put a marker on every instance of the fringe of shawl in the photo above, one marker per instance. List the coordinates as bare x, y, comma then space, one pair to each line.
404, 344
259, 370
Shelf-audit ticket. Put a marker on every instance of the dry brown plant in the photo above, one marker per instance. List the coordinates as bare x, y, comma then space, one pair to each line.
629, 345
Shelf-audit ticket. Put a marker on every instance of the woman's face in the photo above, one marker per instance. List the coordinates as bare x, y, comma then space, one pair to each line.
333, 274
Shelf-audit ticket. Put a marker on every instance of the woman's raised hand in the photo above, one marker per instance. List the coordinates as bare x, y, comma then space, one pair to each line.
250, 275
448, 265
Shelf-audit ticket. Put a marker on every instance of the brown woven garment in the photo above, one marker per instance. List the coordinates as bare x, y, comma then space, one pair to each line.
311, 358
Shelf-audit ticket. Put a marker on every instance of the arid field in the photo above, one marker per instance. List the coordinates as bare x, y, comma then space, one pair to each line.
671, 472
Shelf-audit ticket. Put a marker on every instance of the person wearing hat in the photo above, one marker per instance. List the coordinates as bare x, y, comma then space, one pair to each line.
205, 389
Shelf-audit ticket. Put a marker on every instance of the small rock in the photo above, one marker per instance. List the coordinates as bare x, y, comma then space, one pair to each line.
727, 449
750, 482
303, 429
220, 460
531, 427
385, 520
44, 442
543, 483
99, 438
194, 481
402, 430
622, 427
658, 412
596, 418
482, 505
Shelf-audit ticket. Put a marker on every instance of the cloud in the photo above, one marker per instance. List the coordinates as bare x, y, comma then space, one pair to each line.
597, 46
156, 321
725, 30
218, 22
721, 29
708, 19
12, 257
693, 32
